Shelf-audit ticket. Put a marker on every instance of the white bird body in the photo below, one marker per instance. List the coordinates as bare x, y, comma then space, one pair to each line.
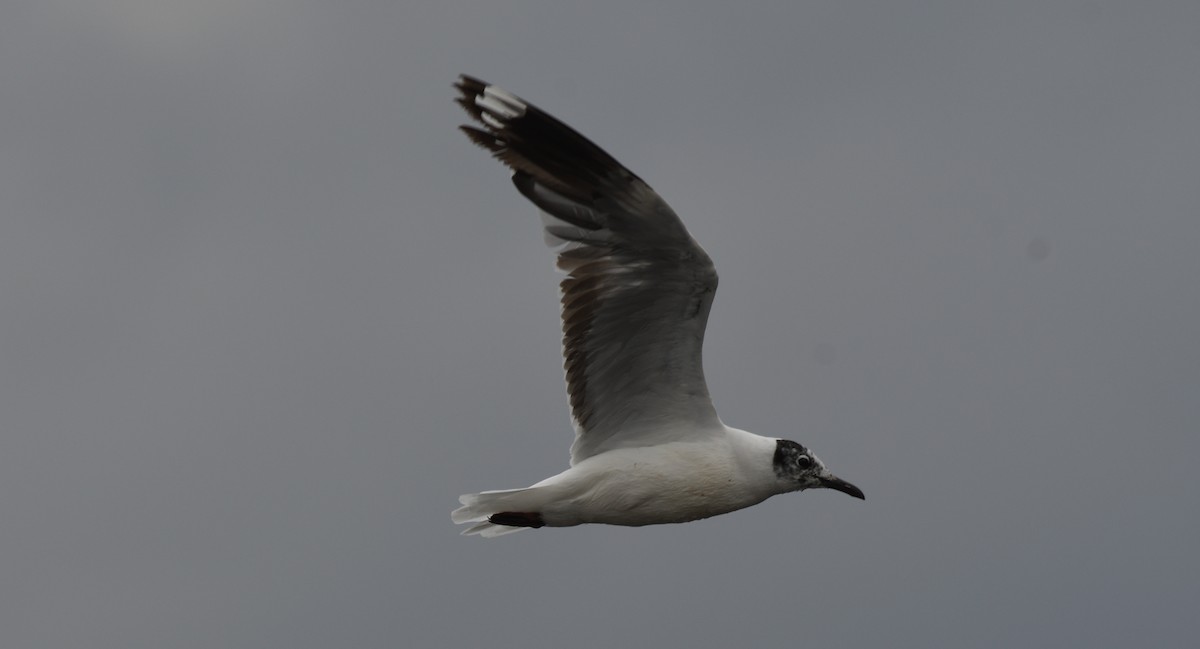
675, 482
649, 447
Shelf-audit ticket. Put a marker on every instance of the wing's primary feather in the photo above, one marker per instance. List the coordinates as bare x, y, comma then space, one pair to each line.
638, 290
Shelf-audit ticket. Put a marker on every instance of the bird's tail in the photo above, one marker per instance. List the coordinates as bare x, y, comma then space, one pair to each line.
495, 513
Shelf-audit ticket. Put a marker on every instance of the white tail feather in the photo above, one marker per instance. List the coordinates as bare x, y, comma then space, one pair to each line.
491, 530
478, 507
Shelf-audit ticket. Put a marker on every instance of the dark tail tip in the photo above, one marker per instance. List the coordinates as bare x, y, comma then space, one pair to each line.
517, 519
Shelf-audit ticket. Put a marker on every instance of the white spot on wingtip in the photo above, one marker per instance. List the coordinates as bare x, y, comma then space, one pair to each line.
491, 121
500, 103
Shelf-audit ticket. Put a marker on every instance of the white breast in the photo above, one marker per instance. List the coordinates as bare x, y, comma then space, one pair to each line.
669, 483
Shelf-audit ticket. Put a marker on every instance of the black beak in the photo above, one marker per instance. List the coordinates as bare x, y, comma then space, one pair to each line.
833, 482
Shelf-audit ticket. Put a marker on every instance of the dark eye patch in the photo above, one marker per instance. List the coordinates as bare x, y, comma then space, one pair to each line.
803, 461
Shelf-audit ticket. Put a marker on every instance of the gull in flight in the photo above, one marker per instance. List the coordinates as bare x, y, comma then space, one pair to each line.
649, 447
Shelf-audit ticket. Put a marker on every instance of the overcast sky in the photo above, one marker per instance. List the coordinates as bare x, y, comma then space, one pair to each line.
265, 314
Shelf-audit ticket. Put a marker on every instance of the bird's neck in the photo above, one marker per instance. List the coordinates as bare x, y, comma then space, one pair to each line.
755, 457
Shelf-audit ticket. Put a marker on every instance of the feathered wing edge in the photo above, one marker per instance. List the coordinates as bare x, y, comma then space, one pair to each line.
638, 289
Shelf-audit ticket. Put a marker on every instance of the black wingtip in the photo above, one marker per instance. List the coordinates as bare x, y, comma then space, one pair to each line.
470, 86
483, 138
530, 140
468, 89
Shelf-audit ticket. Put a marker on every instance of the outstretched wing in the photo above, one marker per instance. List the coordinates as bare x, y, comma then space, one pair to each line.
638, 290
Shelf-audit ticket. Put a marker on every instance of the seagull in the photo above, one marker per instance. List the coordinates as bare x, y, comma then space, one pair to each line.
649, 447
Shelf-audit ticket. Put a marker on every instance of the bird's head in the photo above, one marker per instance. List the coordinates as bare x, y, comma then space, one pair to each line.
799, 469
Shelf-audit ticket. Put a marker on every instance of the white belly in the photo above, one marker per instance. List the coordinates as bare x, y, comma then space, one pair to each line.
673, 483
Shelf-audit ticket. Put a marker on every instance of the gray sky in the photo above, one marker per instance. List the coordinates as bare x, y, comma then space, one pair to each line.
265, 314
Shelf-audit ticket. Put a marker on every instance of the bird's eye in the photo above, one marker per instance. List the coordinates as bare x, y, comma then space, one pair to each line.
803, 461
